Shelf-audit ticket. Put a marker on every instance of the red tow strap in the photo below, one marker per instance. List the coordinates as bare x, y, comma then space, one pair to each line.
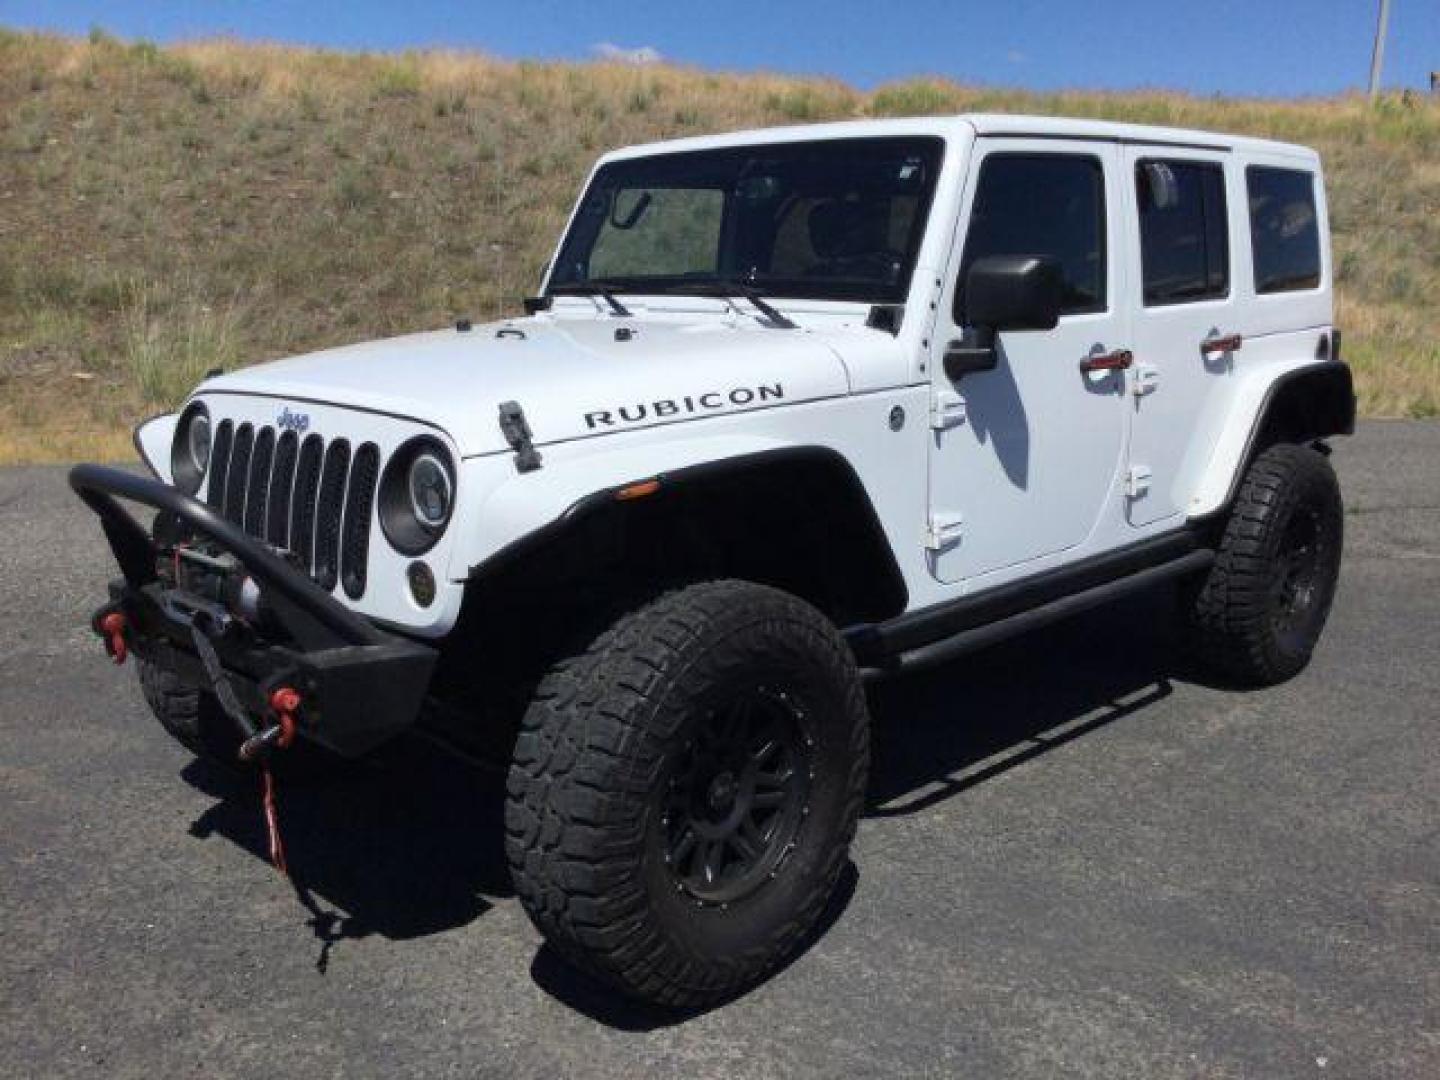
272, 819
283, 702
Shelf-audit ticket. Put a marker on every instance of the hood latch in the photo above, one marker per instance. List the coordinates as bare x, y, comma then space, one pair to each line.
516, 430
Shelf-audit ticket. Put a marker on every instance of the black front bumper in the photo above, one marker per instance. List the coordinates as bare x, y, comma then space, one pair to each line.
359, 685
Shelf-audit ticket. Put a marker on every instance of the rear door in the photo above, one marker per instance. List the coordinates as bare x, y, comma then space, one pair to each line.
1024, 457
1185, 305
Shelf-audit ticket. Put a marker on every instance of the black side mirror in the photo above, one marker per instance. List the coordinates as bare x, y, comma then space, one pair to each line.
1014, 292
1005, 292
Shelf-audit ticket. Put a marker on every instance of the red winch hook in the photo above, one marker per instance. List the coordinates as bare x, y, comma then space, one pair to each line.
283, 702
112, 629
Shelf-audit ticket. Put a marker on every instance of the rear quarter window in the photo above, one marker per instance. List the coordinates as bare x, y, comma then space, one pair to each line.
1284, 228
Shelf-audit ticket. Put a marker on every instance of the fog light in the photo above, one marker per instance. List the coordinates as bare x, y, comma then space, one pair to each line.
422, 583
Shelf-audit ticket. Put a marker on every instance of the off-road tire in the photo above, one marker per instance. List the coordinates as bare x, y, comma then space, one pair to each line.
587, 817
1256, 615
192, 717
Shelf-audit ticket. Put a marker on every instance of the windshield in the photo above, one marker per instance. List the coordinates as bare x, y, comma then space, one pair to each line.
834, 220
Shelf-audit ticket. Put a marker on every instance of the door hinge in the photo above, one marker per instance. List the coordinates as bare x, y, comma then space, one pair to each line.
943, 531
947, 410
1147, 378
1137, 481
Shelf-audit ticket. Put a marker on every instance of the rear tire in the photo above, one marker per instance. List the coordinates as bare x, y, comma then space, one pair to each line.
1257, 614
684, 792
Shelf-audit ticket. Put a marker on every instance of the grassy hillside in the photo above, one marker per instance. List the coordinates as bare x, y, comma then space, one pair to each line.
166, 211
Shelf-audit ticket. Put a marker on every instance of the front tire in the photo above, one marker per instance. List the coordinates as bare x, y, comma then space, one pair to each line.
684, 792
191, 717
195, 719
1257, 614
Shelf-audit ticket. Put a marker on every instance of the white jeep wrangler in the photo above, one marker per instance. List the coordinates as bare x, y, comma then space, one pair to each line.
793, 408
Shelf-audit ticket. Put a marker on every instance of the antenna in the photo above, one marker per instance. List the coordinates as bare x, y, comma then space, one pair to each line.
1377, 57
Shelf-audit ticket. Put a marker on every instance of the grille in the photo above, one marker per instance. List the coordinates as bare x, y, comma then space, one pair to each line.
282, 481
307, 486
312, 498
327, 513
220, 464
257, 487
239, 472
355, 542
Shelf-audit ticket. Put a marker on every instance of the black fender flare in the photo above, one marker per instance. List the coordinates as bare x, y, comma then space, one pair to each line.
1304, 405
876, 554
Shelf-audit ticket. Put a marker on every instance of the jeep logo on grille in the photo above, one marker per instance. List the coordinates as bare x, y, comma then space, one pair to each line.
297, 422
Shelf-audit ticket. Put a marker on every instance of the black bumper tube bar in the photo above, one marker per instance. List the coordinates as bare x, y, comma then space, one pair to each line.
361, 685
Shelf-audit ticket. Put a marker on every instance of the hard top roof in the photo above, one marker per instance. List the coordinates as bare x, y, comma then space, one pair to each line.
980, 124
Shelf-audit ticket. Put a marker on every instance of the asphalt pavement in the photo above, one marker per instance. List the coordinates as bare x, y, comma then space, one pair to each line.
1077, 861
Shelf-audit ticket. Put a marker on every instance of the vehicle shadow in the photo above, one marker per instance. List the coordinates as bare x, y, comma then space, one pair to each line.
412, 844
406, 845
942, 731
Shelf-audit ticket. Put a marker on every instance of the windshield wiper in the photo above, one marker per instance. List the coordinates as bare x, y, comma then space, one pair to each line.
726, 288
593, 288
753, 295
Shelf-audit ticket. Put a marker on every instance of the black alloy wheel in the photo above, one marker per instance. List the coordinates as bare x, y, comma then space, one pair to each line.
737, 796
1299, 580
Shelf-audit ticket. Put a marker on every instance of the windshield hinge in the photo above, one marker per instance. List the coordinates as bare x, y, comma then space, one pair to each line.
887, 317
516, 430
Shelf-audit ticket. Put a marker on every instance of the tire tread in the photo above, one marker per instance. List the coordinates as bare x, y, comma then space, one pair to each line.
582, 767
1228, 615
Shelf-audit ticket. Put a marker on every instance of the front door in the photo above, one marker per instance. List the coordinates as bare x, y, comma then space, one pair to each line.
1025, 457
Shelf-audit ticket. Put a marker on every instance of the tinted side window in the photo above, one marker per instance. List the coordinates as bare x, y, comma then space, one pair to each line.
1042, 204
1184, 239
1284, 232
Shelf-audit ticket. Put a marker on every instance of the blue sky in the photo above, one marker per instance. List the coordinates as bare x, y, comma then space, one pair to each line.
1270, 47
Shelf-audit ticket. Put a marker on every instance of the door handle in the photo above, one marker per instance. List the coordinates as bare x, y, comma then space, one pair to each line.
1118, 360
1228, 343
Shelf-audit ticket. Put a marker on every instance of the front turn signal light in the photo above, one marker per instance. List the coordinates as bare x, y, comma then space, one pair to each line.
637, 491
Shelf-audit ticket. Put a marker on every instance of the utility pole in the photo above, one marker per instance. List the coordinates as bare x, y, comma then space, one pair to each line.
1377, 58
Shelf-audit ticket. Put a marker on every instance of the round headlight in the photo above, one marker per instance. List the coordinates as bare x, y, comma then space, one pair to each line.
429, 490
190, 452
417, 495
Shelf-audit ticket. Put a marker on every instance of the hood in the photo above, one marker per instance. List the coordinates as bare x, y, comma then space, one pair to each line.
574, 378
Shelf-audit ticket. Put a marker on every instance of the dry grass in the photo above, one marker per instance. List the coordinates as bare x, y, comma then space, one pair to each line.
165, 211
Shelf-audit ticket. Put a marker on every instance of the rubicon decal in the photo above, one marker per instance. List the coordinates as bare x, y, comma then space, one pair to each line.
670, 408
